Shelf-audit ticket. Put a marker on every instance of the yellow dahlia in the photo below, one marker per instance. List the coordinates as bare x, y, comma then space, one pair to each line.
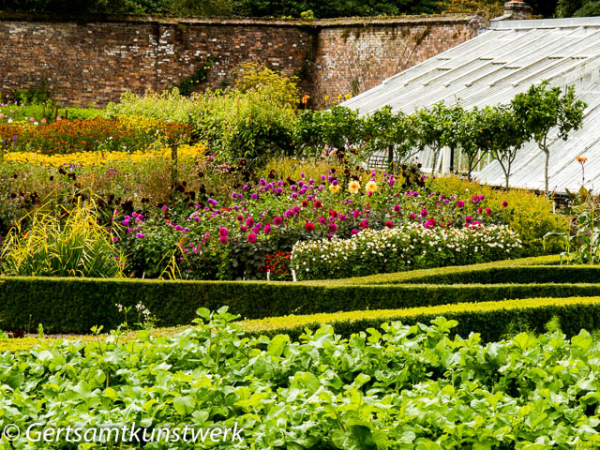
334, 188
354, 187
371, 186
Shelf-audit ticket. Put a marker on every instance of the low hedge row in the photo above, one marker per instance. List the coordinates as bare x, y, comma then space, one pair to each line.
551, 261
493, 320
75, 305
517, 275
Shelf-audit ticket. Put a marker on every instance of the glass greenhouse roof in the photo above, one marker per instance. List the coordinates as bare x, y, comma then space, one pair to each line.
491, 69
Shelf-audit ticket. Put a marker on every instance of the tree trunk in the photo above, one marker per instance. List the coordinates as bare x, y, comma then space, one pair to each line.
546, 181
391, 158
434, 166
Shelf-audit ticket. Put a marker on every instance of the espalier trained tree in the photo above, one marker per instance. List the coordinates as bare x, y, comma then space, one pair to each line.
393, 133
543, 110
502, 136
436, 127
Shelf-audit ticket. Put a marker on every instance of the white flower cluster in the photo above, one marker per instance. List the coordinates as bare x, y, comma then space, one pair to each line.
407, 247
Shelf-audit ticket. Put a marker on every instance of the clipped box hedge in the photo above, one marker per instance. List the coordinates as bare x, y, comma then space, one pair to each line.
74, 305
416, 276
493, 320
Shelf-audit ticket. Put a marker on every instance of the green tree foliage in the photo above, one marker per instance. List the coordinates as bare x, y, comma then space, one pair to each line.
543, 110
249, 8
393, 133
578, 8
588, 9
494, 8
436, 128
87, 7
501, 135
468, 135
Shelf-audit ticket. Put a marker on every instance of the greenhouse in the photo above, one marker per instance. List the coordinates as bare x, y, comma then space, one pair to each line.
504, 60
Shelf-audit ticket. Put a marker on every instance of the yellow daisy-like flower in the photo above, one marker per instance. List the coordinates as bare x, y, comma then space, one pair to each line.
371, 186
354, 187
334, 188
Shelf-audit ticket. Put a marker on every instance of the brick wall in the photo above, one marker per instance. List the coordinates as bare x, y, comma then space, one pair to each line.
93, 60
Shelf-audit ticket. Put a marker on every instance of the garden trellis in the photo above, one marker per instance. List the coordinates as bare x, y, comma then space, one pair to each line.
491, 69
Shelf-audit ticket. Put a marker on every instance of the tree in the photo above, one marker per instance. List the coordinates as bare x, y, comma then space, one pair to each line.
470, 138
391, 132
502, 135
542, 110
435, 129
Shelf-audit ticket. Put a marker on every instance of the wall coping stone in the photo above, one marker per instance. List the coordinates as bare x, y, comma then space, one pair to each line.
293, 23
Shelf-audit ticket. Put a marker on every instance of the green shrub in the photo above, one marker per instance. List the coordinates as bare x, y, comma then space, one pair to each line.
251, 125
493, 320
62, 243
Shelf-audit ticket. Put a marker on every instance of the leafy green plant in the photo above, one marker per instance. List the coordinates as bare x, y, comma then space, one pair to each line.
186, 85
582, 241
394, 386
63, 242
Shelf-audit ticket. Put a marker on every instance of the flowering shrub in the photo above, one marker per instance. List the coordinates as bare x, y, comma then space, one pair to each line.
405, 248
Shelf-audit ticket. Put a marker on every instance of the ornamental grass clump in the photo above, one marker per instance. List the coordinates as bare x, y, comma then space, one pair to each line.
62, 243
409, 247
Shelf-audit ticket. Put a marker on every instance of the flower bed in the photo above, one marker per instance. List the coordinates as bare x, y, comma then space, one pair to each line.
405, 248
65, 136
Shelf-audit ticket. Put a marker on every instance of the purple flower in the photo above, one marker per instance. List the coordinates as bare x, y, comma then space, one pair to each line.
178, 227
165, 207
252, 238
333, 227
277, 220
424, 213
223, 231
354, 232
223, 239
140, 236
267, 229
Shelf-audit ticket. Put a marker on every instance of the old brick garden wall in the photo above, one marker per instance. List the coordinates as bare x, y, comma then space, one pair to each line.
93, 60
